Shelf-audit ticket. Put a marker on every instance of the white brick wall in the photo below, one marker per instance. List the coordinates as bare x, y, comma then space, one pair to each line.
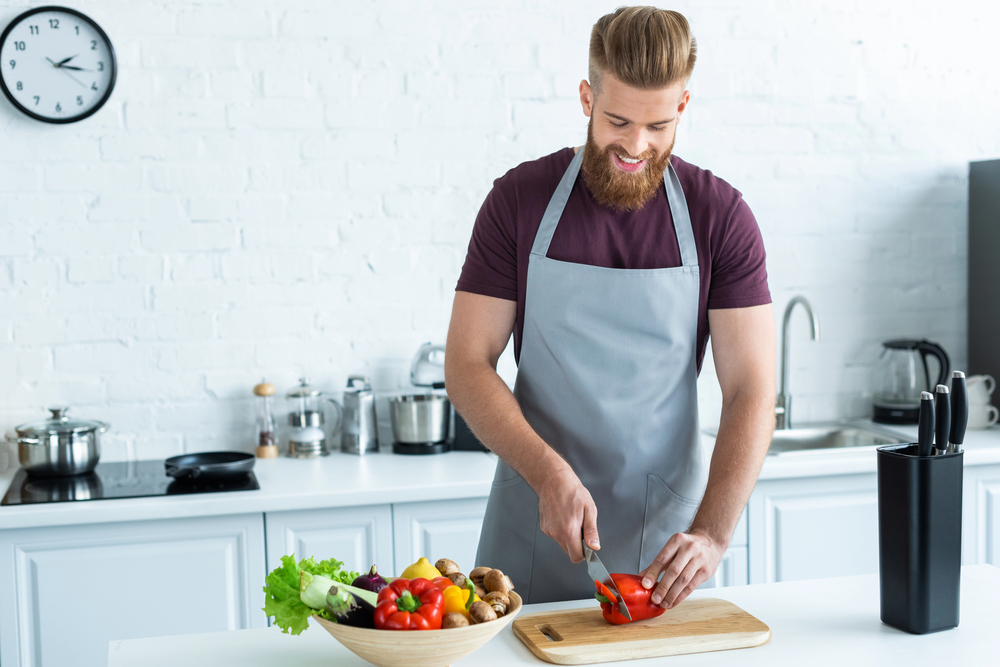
287, 188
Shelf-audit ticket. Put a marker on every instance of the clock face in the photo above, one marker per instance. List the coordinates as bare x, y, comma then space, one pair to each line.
56, 65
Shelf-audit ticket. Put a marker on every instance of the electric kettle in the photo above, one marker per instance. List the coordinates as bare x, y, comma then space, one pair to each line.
900, 375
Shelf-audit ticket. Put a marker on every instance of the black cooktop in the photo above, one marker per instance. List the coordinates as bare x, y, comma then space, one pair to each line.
135, 479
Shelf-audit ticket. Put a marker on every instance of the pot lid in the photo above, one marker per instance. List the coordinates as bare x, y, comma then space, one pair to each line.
303, 390
58, 423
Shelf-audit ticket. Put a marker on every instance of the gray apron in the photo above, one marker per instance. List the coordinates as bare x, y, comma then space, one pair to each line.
607, 377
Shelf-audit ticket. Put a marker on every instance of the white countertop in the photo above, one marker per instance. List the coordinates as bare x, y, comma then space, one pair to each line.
342, 480
338, 480
817, 622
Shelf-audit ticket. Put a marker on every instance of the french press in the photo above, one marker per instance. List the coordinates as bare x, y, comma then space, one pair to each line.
307, 438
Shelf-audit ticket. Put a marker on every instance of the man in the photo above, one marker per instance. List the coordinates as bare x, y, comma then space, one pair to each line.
610, 264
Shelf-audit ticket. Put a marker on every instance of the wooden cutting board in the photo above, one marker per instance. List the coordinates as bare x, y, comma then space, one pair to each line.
582, 636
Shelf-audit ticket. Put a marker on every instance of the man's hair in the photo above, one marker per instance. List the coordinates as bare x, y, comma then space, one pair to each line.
644, 47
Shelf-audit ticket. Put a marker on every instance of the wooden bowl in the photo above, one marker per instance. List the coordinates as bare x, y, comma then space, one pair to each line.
421, 648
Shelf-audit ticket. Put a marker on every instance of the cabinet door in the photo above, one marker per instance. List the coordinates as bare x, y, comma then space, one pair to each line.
69, 590
359, 536
733, 568
981, 520
438, 529
813, 528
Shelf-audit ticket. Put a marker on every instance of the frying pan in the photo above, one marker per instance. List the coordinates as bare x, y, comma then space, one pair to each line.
209, 464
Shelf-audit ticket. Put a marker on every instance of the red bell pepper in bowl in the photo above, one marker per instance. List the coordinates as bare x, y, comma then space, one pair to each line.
635, 596
409, 604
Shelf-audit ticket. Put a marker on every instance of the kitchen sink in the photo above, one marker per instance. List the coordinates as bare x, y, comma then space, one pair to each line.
826, 436
811, 437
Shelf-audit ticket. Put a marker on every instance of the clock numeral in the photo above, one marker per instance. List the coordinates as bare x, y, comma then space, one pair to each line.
79, 100
33, 29
77, 29
37, 99
93, 45
13, 63
54, 24
58, 107
93, 86
19, 46
100, 66
20, 86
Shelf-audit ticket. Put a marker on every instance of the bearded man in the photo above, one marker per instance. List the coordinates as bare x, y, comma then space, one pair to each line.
611, 264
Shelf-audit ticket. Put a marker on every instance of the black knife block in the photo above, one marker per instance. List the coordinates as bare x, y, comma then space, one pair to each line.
919, 538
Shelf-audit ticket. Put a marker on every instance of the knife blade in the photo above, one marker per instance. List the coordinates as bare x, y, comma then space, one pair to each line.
925, 424
959, 411
942, 419
596, 570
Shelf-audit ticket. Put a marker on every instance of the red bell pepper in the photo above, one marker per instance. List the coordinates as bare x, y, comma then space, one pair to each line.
636, 599
409, 604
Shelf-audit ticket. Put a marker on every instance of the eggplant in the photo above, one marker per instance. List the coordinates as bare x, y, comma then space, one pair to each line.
349, 608
372, 581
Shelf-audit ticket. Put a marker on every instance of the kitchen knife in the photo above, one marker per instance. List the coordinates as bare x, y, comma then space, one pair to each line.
942, 419
959, 411
925, 424
596, 570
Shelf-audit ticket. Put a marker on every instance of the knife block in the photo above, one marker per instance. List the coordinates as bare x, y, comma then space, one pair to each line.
920, 538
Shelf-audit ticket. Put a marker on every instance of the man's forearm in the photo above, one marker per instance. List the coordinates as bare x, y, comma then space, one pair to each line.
493, 414
745, 429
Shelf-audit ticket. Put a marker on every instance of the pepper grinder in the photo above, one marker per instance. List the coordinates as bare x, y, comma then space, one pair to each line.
267, 443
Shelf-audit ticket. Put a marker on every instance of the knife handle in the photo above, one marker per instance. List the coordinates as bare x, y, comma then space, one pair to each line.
925, 424
942, 419
959, 410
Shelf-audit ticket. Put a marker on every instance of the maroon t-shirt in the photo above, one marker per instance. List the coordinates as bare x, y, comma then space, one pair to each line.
730, 248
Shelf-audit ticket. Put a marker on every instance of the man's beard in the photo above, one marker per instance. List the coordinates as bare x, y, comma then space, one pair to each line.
619, 189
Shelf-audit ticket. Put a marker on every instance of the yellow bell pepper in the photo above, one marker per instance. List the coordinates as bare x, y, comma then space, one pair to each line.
456, 600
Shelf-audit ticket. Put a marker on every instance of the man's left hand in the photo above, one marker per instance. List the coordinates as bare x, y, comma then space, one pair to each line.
687, 561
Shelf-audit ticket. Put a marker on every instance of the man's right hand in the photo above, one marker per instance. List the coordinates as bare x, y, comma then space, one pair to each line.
564, 508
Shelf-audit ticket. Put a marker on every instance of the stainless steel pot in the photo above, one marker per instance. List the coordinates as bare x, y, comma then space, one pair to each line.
59, 446
419, 419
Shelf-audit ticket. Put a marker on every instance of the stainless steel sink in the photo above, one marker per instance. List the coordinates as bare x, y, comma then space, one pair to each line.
810, 437
826, 436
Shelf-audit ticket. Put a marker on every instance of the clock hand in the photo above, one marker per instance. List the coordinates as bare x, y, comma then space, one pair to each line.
73, 77
78, 69
54, 63
65, 60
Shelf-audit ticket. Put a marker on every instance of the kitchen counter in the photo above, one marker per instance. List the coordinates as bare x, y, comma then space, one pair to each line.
344, 480
338, 480
814, 622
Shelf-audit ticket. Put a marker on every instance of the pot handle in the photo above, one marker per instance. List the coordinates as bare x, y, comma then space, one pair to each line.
102, 427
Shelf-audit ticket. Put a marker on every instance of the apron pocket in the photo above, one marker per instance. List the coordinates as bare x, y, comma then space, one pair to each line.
666, 513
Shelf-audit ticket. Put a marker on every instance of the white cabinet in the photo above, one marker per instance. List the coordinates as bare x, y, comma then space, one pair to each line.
69, 590
812, 528
981, 516
438, 529
359, 536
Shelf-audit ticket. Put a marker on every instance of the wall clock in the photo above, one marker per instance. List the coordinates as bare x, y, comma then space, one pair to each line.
56, 64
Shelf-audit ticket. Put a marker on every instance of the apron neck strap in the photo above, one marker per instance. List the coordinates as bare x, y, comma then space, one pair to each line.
675, 197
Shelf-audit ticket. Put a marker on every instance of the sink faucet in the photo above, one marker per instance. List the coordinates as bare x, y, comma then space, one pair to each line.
783, 406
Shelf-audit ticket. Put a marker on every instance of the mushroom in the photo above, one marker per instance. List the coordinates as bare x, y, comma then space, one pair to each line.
454, 620
447, 566
480, 591
478, 573
500, 602
480, 612
458, 579
496, 581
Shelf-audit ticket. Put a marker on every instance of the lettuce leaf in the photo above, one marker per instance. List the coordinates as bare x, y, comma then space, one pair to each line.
281, 588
